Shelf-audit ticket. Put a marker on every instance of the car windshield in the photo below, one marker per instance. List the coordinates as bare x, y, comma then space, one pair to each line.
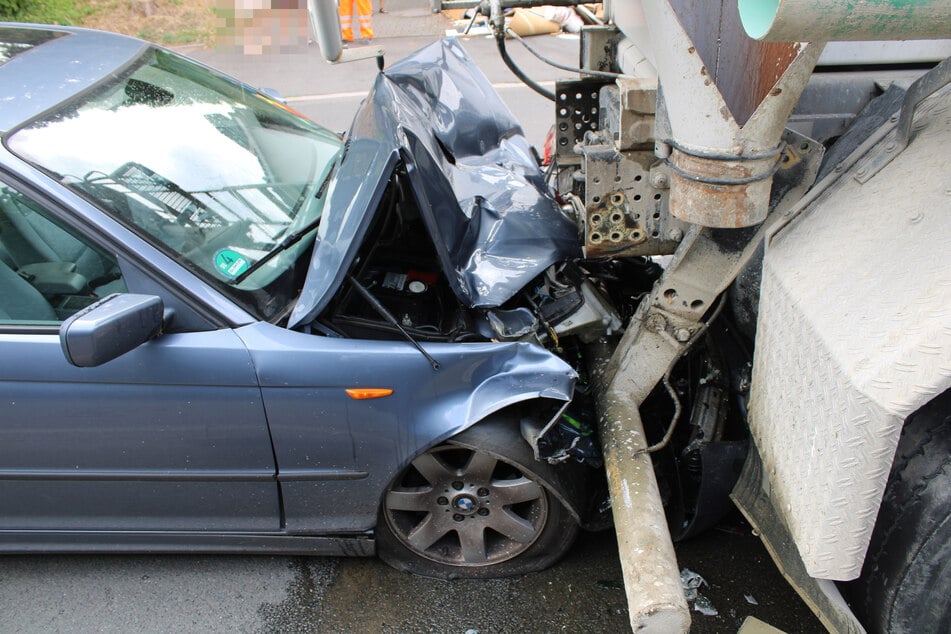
214, 174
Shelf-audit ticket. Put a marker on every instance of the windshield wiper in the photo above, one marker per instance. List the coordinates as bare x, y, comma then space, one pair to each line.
290, 239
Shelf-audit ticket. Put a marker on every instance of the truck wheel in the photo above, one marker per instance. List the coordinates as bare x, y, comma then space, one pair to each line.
906, 578
474, 507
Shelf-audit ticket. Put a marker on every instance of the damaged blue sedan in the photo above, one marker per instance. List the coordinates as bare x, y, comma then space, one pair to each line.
224, 328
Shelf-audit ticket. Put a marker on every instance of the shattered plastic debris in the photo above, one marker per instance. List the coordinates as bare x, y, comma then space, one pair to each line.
572, 438
750, 599
690, 582
704, 606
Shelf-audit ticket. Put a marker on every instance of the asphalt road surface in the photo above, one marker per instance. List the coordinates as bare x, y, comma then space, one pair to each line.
329, 94
583, 593
297, 594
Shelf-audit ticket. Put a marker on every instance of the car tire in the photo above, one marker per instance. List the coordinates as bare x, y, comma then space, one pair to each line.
475, 507
906, 578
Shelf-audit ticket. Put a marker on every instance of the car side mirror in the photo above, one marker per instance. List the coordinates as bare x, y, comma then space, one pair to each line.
109, 328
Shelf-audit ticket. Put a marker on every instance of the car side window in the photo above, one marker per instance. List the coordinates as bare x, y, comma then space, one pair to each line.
47, 271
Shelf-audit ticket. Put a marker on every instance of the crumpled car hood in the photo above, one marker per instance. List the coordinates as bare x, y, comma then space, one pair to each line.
493, 221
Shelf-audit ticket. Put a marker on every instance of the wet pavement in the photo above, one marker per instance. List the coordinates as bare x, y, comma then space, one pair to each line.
583, 593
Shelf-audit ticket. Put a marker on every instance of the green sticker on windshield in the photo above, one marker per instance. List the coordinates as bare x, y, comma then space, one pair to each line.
231, 263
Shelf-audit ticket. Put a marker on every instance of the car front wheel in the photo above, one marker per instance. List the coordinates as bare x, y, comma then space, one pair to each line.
474, 507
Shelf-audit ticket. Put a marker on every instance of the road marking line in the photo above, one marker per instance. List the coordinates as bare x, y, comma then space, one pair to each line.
362, 93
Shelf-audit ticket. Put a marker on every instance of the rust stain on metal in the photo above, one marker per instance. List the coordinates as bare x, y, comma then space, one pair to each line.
610, 228
789, 158
716, 205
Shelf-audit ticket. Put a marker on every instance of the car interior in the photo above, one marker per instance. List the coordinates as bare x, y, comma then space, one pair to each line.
46, 272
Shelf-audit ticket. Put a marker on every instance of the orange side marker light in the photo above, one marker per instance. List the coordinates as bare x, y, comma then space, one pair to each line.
362, 393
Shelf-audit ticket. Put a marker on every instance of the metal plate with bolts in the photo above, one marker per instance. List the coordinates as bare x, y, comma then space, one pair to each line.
576, 112
626, 207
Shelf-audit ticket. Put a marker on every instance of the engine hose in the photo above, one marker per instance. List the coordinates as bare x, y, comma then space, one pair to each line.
528, 81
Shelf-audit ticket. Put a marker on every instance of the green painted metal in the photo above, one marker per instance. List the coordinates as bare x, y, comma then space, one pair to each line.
757, 16
842, 20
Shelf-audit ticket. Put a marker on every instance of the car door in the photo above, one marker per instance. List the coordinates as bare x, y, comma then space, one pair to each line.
169, 437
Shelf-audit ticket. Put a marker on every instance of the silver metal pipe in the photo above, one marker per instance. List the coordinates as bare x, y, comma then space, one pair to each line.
655, 597
325, 22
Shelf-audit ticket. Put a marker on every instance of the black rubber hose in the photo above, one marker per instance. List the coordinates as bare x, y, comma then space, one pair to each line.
582, 71
528, 81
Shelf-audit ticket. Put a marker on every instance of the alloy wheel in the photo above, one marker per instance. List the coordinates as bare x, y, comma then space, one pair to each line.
465, 507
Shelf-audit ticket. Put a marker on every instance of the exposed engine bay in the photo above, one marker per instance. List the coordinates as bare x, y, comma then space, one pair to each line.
399, 266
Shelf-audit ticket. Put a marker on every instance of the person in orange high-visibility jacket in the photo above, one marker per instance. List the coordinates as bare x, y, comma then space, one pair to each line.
364, 19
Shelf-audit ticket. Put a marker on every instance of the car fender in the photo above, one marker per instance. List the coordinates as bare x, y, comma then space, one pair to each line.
336, 453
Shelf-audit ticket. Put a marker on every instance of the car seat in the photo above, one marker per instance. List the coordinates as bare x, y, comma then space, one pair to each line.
28, 237
19, 301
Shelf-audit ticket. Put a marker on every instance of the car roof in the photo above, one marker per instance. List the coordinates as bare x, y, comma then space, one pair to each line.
42, 66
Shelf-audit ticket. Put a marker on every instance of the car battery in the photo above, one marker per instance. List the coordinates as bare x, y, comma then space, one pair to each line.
410, 295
